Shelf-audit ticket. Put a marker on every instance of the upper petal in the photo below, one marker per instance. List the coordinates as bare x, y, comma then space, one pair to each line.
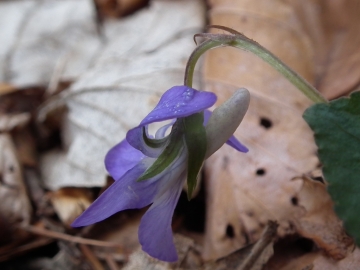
179, 101
121, 158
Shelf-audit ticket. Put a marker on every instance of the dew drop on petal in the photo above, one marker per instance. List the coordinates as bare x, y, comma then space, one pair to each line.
188, 94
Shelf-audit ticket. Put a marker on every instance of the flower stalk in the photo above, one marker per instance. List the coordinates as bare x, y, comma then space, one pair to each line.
240, 41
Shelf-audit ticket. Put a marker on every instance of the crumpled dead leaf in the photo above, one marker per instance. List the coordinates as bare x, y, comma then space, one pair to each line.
118, 8
246, 190
69, 203
251, 257
10, 121
319, 221
318, 261
333, 29
145, 55
47, 34
15, 204
184, 246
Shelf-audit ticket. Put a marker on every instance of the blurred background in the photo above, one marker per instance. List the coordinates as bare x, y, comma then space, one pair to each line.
75, 75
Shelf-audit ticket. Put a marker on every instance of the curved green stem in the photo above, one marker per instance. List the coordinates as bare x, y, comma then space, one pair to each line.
194, 57
244, 43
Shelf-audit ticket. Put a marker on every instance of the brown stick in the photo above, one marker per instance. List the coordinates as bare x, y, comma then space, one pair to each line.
70, 238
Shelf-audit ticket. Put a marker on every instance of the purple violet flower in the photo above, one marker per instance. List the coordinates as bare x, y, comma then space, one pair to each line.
153, 170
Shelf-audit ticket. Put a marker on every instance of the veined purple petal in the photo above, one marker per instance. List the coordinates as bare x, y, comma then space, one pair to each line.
125, 193
207, 115
179, 101
135, 139
155, 232
121, 158
232, 141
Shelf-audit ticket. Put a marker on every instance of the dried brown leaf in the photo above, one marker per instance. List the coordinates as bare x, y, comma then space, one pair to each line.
118, 8
252, 257
15, 205
319, 221
69, 203
333, 28
6, 88
319, 261
246, 190
46, 34
184, 246
9, 122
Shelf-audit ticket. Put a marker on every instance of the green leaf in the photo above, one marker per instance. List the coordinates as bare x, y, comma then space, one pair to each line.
195, 138
169, 154
337, 134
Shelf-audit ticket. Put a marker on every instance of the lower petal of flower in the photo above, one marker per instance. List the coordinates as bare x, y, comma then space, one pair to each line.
155, 232
124, 194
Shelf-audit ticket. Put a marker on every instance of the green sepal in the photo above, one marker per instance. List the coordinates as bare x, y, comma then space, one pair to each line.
337, 134
153, 143
169, 154
195, 138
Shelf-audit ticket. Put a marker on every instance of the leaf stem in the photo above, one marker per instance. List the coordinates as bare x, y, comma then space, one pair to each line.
240, 41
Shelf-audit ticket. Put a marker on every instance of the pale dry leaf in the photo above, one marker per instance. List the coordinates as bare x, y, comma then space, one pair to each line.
15, 204
319, 261
251, 257
351, 262
145, 55
9, 122
13, 14
140, 260
319, 221
120, 228
6, 88
38, 35
333, 28
246, 190
118, 8
69, 203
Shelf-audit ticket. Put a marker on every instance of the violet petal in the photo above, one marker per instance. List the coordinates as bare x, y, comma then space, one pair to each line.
233, 142
121, 158
135, 138
155, 232
125, 193
178, 101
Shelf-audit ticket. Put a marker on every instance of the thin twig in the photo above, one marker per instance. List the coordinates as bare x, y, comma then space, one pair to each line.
70, 238
90, 256
111, 262
16, 251
266, 239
